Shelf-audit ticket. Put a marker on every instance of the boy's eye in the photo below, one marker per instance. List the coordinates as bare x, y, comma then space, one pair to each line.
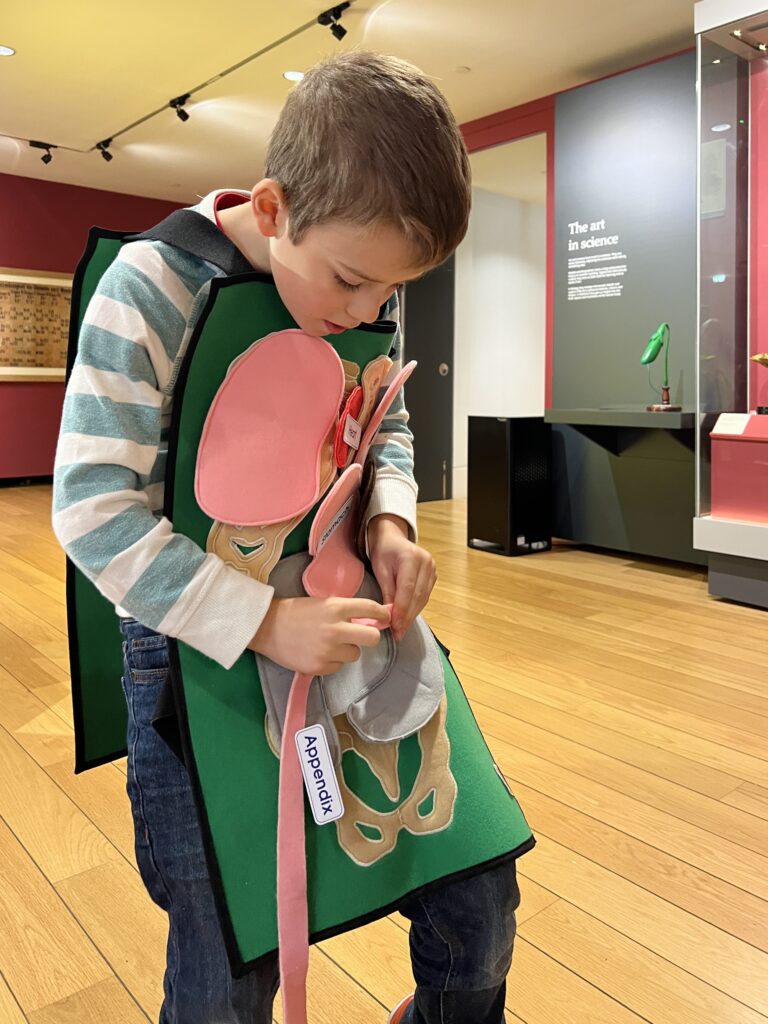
346, 284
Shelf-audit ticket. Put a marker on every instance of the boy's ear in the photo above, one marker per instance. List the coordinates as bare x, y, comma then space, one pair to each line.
269, 207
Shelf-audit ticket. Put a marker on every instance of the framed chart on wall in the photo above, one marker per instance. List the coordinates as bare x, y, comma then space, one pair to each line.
34, 319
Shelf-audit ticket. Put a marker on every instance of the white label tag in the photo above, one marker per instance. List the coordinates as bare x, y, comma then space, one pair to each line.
353, 433
338, 519
319, 775
731, 423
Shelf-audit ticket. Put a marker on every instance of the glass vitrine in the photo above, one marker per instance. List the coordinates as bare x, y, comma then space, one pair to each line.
732, 388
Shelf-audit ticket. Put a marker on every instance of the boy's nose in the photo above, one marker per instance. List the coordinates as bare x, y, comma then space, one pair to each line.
363, 309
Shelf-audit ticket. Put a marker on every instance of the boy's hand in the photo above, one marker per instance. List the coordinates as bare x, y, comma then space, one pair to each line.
315, 635
405, 572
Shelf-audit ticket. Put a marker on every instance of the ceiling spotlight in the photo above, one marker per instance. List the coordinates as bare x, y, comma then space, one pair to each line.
103, 148
737, 33
293, 76
178, 106
720, 127
47, 146
716, 61
7, 51
332, 18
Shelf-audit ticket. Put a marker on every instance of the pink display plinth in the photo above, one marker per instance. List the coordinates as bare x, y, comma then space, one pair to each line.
740, 472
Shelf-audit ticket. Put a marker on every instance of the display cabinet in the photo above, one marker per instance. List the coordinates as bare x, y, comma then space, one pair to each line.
34, 322
731, 522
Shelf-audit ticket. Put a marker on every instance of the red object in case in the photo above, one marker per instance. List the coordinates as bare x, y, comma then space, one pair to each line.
740, 472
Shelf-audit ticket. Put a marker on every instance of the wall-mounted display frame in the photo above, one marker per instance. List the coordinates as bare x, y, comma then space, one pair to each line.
34, 319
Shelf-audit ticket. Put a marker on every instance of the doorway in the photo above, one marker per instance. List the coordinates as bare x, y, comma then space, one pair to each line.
477, 324
501, 284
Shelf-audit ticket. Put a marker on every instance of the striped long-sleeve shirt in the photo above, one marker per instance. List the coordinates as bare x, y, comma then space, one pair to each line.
111, 455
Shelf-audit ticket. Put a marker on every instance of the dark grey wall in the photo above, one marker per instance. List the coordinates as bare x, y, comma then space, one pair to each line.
625, 154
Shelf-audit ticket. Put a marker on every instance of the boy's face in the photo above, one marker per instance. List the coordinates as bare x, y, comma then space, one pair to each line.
339, 275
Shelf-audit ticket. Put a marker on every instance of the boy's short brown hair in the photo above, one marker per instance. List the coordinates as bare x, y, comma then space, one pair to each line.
366, 139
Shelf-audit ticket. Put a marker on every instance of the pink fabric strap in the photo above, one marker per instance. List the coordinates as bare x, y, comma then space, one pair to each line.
292, 913
335, 575
292, 909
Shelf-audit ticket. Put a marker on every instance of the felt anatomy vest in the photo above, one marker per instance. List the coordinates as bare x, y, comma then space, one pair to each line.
424, 802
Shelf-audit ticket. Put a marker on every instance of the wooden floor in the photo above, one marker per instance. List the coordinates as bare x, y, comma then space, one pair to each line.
628, 710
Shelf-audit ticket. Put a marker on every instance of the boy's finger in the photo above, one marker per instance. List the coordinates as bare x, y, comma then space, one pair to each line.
362, 636
349, 653
419, 598
363, 608
330, 668
406, 587
386, 580
376, 623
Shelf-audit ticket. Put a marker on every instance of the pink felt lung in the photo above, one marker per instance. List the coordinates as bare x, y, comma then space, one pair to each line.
382, 409
336, 569
273, 411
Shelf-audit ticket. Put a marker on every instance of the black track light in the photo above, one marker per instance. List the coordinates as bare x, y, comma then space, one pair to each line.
103, 148
47, 146
178, 106
332, 18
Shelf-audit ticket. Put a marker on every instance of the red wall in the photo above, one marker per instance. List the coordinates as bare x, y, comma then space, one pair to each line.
44, 225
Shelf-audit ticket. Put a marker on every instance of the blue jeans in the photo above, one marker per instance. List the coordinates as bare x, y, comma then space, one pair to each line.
461, 934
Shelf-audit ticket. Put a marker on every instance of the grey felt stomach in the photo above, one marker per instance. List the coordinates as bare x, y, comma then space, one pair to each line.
389, 693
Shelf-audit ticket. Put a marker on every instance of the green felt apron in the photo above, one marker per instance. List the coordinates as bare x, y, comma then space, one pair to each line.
221, 712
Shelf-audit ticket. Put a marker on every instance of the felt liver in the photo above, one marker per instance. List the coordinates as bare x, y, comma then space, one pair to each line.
274, 409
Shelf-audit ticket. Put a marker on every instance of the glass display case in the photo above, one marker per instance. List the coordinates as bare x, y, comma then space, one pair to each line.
731, 522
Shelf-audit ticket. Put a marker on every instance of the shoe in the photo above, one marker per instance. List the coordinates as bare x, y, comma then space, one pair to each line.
398, 1014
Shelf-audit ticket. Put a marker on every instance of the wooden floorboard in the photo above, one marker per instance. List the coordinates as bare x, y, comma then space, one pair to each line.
627, 709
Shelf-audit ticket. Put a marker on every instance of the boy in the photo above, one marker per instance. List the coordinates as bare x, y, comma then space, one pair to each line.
367, 185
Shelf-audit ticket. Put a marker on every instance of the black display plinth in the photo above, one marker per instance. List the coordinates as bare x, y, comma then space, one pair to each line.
509, 489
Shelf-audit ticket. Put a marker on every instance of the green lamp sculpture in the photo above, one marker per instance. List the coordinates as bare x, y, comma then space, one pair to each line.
658, 340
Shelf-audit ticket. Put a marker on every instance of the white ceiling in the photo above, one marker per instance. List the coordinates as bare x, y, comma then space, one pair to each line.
85, 70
